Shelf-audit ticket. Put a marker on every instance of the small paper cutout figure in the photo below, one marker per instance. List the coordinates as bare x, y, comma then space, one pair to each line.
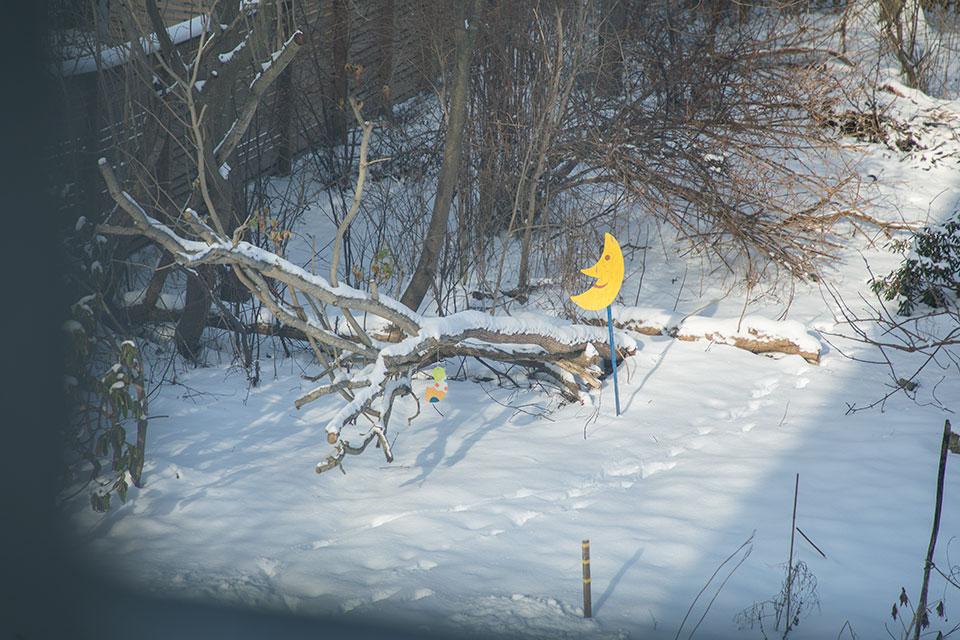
608, 271
436, 392
609, 274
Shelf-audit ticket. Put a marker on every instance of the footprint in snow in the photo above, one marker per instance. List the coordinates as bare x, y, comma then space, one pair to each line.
765, 388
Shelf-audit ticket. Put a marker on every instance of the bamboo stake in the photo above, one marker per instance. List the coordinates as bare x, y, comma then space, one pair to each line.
921, 619
587, 603
613, 358
793, 527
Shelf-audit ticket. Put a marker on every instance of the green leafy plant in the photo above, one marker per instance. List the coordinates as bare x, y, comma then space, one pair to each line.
104, 382
930, 273
381, 269
122, 399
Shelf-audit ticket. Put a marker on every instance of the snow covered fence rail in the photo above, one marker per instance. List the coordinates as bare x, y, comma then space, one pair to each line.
752, 333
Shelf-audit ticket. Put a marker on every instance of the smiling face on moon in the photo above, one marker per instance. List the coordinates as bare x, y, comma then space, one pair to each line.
609, 274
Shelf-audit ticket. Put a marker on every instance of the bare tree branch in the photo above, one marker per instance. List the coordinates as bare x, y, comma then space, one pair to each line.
244, 254
271, 71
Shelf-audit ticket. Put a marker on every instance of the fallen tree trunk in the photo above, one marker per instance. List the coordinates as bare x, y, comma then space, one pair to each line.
752, 333
566, 352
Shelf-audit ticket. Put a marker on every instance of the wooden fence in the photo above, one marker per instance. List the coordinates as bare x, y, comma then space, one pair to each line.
378, 42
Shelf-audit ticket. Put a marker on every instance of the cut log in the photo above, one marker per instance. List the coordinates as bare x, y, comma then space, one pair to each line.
755, 334
758, 344
752, 333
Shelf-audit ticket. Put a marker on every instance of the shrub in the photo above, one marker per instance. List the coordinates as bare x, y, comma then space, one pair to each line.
104, 384
930, 273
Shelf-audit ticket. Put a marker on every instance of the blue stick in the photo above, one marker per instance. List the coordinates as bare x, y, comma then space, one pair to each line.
613, 358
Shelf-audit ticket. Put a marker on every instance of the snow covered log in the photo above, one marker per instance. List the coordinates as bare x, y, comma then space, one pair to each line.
564, 351
752, 333
763, 336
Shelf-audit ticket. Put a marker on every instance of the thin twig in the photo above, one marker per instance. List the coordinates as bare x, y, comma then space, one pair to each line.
793, 526
716, 571
800, 531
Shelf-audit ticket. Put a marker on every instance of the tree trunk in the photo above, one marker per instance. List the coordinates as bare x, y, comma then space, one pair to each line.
285, 122
285, 100
194, 318
227, 196
466, 16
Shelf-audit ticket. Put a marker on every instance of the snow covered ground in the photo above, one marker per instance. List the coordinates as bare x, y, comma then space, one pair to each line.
475, 529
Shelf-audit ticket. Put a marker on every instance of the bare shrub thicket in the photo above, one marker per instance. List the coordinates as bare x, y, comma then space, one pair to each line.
944, 19
694, 117
206, 233
105, 385
715, 139
158, 103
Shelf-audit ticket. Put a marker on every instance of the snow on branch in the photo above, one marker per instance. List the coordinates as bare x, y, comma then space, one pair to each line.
546, 343
568, 353
219, 250
530, 337
280, 59
755, 334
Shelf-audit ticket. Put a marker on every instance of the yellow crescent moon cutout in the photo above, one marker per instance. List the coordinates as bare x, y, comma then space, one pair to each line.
609, 274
